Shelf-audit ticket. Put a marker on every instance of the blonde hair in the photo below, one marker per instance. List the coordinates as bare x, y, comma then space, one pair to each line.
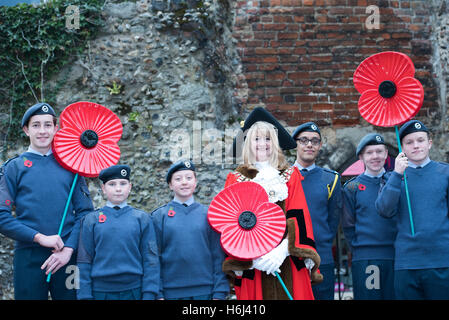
277, 159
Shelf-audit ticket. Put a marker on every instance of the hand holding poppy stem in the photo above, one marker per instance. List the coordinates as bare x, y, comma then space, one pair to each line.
412, 227
401, 163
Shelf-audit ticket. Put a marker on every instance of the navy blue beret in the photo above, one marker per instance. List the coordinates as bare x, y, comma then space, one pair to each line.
178, 166
38, 108
369, 140
410, 127
115, 172
308, 126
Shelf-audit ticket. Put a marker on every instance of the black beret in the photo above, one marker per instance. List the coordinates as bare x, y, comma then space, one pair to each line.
115, 172
38, 108
178, 166
410, 127
286, 142
308, 126
369, 140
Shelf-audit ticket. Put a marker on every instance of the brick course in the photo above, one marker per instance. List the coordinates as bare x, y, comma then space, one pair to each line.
299, 56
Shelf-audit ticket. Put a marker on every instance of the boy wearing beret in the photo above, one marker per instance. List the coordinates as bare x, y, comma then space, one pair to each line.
118, 254
323, 195
421, 260
38, 187
191, 254
369, 236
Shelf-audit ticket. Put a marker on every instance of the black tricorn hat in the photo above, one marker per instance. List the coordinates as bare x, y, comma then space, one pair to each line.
286, 142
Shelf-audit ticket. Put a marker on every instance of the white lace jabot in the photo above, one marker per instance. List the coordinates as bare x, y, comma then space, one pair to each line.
271, 180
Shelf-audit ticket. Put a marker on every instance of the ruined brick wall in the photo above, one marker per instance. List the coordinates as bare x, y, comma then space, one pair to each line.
299, 56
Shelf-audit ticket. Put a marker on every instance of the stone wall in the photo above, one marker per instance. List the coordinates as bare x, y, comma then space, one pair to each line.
182, 74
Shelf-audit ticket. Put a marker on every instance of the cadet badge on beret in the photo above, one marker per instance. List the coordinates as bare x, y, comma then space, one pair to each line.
418, 125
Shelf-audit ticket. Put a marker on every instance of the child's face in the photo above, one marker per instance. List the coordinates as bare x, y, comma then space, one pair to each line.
374, 156
416, 146
183, 184
116, 190
41, 130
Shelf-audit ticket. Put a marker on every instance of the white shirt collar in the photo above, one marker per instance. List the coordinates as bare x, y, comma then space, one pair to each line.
422, 165
300, 167
31, 150
188, 202
376, 176
111, 205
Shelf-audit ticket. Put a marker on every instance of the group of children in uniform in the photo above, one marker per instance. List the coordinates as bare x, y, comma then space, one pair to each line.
125, 253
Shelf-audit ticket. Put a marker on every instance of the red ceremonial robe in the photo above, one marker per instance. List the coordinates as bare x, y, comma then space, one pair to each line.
257, 285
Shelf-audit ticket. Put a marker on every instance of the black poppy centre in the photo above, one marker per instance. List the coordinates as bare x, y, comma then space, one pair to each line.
387, 89
247, 220
89, 139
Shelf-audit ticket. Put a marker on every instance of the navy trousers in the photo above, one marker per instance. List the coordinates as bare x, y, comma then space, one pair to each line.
30, 281
373, 279
422, 284
326, 289
133, 294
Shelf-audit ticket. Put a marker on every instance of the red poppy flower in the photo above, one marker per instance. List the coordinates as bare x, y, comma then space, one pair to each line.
171, 212
7, 202
102, 218
362, 187
390, 95
87, 140
28, 163
250, 226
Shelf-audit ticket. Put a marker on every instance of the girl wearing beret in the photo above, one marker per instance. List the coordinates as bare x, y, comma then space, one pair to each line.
191, 254
295, 258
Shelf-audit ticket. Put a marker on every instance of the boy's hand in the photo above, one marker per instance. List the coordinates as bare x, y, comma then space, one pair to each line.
57, 260
401, 163
53, 241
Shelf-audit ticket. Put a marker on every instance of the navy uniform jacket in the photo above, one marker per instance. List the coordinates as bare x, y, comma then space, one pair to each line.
369, 235
325, 211
38, 187
191, 254
118, 252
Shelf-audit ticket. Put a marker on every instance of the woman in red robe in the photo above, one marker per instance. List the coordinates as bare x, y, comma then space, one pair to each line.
295, 258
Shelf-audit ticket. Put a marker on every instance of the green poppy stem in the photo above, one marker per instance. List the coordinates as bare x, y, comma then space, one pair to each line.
283, 285
406, 186
65, 212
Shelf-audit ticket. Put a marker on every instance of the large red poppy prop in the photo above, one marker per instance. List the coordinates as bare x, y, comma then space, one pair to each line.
250, 226
390, 95
86, 143
87, 140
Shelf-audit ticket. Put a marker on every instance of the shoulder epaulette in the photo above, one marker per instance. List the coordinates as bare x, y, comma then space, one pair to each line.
3, 166
331, 171
151, 213
352, 185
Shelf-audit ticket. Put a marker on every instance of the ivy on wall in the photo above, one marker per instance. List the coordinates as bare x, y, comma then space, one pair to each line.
35, 42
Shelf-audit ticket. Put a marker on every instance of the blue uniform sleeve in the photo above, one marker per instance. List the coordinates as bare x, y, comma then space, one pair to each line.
158, 221
221, 284
387, 203
335, 205
85, 257
82, 205
10, 226
151, 265
348, 213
